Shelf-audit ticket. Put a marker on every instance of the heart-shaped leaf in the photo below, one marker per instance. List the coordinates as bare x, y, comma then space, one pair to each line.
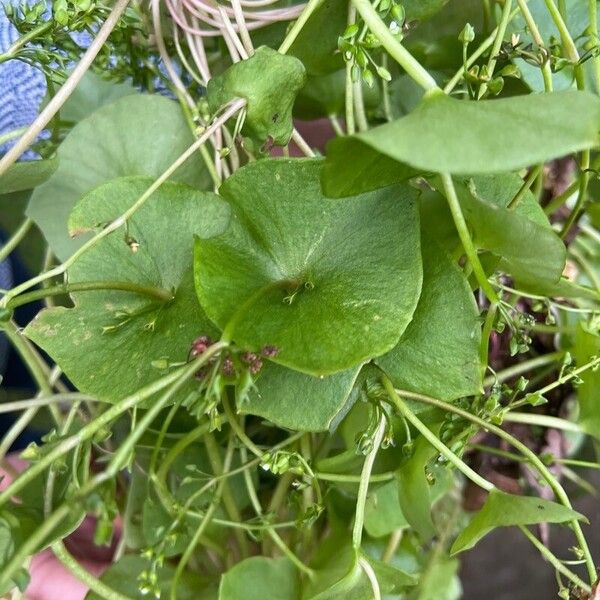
446, 135
258, 577
107, 343
298, 401
502, 510
135, 135
305, 274
438, 354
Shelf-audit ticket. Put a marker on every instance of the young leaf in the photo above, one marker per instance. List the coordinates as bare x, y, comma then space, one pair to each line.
124, 577
258, 577
414, 489
303, 274
297, 401
587, 347
136, 135
503, 510
438, 354
270, 99
107, 343
446, 135
27, 175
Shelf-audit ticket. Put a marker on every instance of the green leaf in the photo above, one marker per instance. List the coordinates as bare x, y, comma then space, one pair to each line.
303, 274
383, 513
106, 344
297, 401
270, 99
316, 44
27, 175
414, 489
258, 577
531, 252
91, 93
135, 135
353, 168
423, 9
123, 575
438, 354
587, 347
446, 135
503, 510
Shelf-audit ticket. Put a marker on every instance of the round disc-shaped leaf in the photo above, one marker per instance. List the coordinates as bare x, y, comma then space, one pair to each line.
135, 135
331, 284
108, 342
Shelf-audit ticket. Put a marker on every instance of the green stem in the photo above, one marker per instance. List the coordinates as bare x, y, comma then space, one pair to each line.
363, 486
593, 27
486, 332
342, 478
524, 367
491, 66
270, 531
238, 429
465, 238
584, 180
16, 238
533, 174
89, 286
554, 561
204, 523
542, 421
94, 584
299, 24
11, 135
103, 420
557, 202
556, 487
25, 39
539, 40
434, 440
231, 508
565, 36
394, 48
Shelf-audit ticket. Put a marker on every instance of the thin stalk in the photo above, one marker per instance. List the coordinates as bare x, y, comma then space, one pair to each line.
90, 286
239, 430
486, 333
539, 40
584, 180
363, 563
359, 107
524, 367
557, 202
593, 27
16, 238
270, 531
394, 48
122, 220
465, 238
94, 584
299, 24
557, 564
25, 39
203, 524
89, 430
554, 484
531, 177
66, 90
363, 486
11, 135
492, 61
349, 89
392, 545
563, 30
403, 409
542, 421
343, 478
